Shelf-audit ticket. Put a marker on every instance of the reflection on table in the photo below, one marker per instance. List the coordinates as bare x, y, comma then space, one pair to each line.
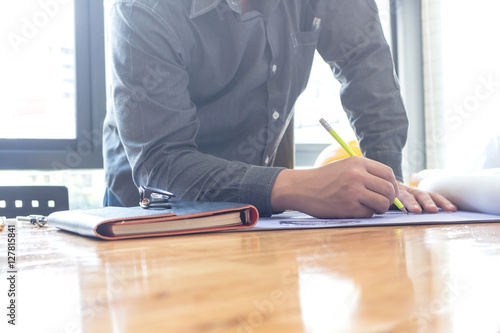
408, 279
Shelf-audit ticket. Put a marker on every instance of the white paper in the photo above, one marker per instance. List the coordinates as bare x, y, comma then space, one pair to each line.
475, 192
296, 220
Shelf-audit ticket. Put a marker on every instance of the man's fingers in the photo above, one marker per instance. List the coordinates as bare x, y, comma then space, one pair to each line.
443, 203
409, 201
416, 200
425, 201
376, 202
380, 194
384, 172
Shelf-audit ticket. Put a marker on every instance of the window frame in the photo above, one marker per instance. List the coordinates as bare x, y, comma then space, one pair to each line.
85, 151
411, 75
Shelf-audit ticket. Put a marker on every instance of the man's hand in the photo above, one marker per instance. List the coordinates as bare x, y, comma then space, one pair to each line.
354, 187
416, 200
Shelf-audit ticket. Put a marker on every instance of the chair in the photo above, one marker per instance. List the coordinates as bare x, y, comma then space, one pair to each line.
36, 200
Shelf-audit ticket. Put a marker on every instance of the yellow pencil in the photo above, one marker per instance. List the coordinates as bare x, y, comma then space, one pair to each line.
351, 152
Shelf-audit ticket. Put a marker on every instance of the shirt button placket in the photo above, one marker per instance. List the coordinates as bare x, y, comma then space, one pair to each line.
274, 69
276, 114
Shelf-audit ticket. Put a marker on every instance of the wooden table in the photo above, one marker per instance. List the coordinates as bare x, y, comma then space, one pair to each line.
381, 279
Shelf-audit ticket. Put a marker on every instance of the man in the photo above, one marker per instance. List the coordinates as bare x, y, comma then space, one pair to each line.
202, 92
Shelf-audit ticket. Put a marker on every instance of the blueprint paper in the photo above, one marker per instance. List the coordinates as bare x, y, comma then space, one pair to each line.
296, 220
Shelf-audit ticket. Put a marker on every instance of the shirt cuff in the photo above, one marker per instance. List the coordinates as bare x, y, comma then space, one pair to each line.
392, 159
256, 188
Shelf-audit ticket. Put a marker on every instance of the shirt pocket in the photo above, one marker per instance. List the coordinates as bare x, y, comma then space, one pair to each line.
304, 45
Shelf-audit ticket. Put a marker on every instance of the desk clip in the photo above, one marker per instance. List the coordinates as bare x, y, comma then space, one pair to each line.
151, 196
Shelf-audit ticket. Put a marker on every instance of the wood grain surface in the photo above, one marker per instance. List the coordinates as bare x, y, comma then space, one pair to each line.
381, 279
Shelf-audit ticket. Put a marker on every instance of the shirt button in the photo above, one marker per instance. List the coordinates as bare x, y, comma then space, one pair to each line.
274, 68
276, 115
267, 160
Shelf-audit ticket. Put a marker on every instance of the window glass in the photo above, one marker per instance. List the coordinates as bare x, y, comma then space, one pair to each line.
462, 77
471, 73
37, 62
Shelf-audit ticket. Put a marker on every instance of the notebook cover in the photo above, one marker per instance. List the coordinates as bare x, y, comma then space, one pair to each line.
86, 222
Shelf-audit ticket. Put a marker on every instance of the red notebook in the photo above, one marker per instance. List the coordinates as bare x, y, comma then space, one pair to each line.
184, 217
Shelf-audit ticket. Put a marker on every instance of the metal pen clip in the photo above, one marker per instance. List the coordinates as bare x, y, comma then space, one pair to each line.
38, 220
154, 196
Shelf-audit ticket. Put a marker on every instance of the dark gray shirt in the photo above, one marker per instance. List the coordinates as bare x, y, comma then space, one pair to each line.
200, 96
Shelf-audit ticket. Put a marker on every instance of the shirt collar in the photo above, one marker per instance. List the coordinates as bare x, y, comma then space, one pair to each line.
200, 7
